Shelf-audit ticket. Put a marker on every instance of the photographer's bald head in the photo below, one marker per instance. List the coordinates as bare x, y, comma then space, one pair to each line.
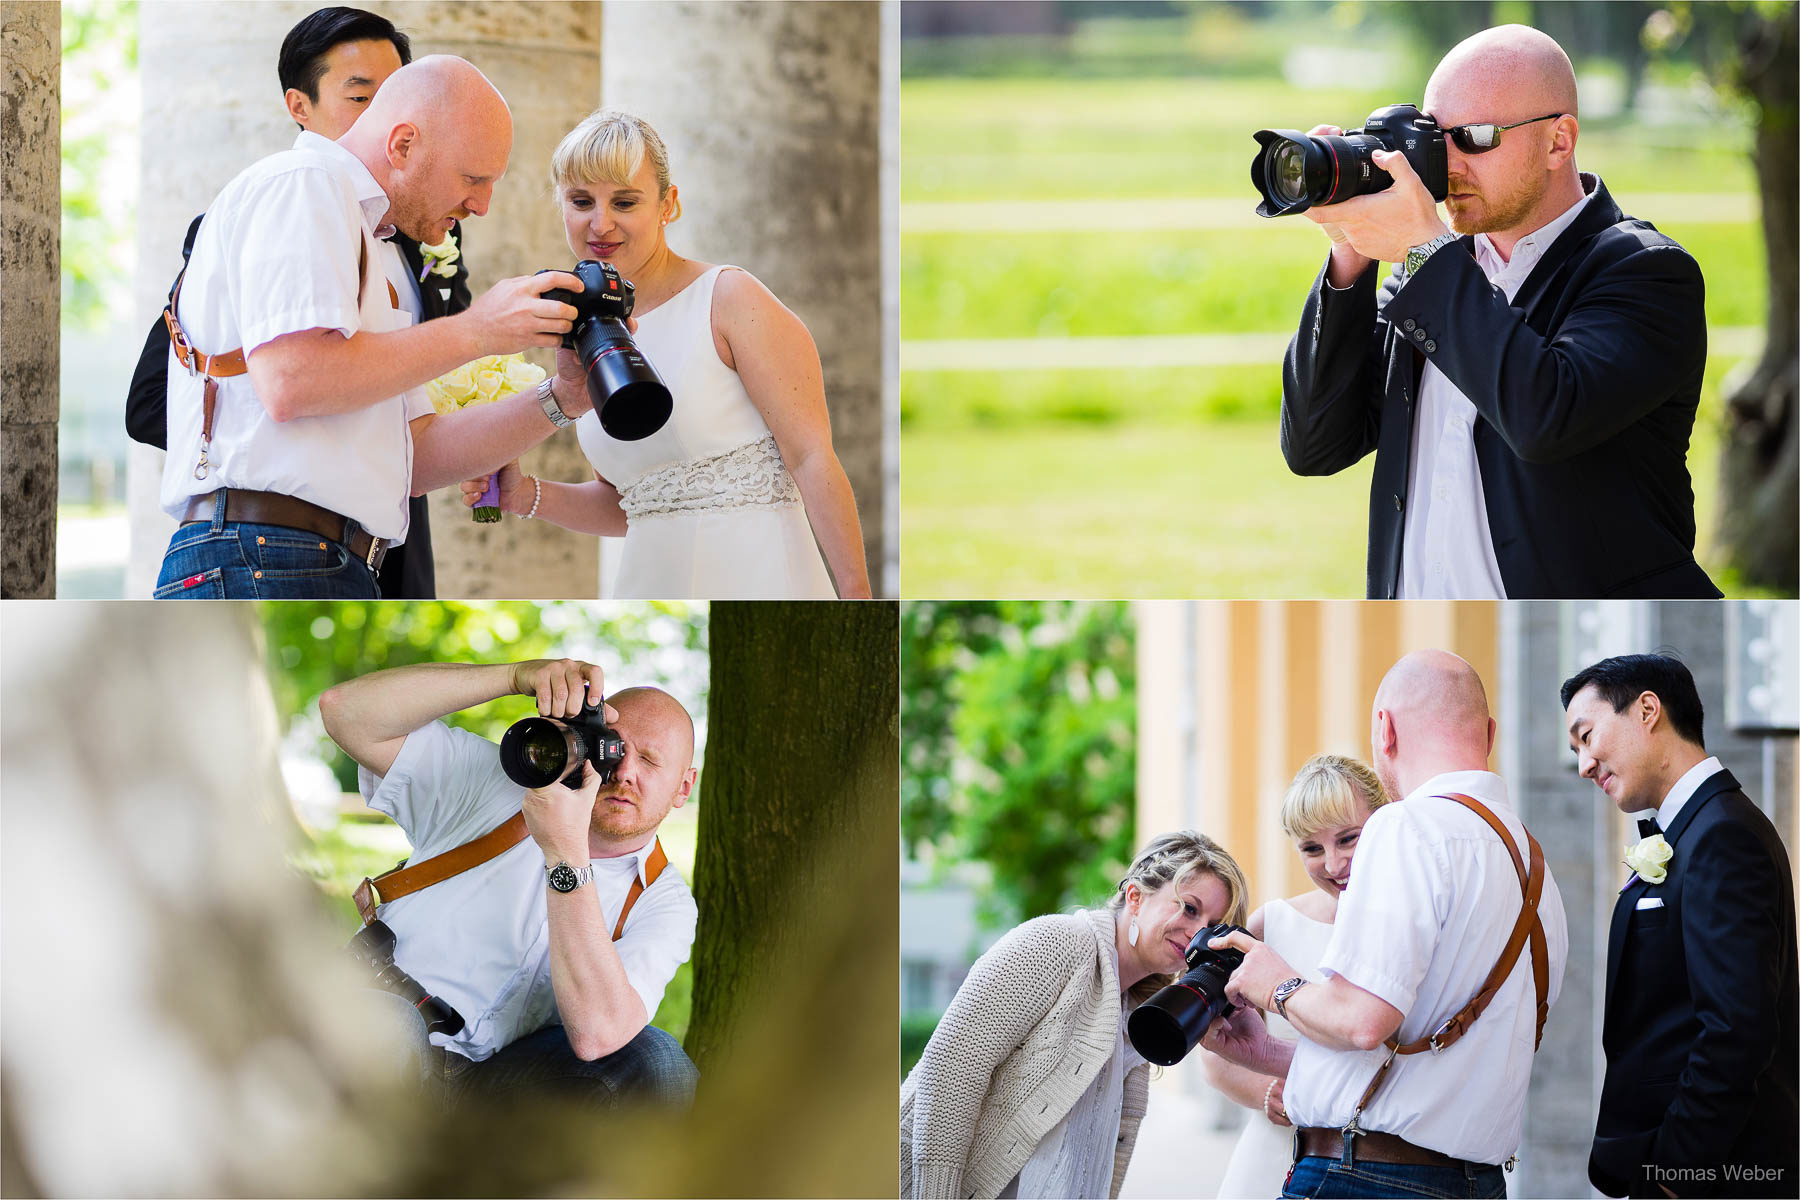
1504, 76
1430, 716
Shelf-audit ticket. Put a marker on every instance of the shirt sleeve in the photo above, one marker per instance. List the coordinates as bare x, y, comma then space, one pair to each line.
1389, 920
445, 788
658, 937
293, 264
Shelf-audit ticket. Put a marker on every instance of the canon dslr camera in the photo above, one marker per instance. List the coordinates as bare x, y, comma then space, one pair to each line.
543, 750
373, 947
631, 399
1169, 1024
1295, 171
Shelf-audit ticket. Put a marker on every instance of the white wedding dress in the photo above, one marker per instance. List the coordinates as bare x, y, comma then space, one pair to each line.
712, 513
1264, 1152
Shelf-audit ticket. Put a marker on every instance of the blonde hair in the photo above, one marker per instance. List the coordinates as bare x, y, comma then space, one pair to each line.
1324, 795
609, 146
1171, 859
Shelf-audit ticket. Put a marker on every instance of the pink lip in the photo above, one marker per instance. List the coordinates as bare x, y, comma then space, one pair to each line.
604, 249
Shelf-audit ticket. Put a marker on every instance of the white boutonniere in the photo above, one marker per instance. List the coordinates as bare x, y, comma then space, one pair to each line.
1650, 858
440, 259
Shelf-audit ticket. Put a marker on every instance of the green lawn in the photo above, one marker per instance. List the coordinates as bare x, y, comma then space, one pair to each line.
1155, 508
1163, 481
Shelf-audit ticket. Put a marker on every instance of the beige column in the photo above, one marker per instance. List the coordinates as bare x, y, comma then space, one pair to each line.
772, 115
212, 105
30, 303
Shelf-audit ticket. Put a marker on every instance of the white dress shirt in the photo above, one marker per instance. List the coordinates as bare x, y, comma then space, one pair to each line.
1684, 790
277, 254
481, 940
1447, 549
1429, 908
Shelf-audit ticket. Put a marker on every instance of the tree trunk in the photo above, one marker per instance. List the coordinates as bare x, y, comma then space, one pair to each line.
1759, 515
796, 976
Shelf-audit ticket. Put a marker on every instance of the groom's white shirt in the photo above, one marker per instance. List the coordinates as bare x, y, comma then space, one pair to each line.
277, 254
1432, 899
1684, 790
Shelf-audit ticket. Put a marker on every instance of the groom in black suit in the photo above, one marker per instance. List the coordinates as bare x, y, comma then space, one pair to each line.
1545, 364
1702, 1061
331, 65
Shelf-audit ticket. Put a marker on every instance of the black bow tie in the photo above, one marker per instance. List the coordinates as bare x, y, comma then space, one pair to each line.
1648, 828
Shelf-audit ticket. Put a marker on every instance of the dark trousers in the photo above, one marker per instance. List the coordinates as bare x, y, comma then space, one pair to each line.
651, 1068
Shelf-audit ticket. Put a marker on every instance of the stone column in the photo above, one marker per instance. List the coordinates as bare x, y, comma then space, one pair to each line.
772, 114
212, 105
30, 303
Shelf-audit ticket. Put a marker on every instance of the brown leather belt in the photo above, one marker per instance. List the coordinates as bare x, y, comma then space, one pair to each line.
272, 508
1369, 1146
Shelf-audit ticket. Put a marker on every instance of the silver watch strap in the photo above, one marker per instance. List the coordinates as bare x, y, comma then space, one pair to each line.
1415, 257
547, 400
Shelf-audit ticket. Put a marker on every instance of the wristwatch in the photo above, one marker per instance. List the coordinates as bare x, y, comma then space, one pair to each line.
565, 878
1415, 258
1283, 991
547, 399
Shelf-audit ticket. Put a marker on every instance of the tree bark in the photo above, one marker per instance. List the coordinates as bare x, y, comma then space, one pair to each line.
1759, 514
796, 975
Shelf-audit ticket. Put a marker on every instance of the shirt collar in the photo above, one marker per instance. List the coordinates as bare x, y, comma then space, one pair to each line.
369, 195
1684, 790
640, 857
1528, 249
1485, 786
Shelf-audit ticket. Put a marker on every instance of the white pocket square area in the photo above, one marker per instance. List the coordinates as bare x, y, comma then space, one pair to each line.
1649, 902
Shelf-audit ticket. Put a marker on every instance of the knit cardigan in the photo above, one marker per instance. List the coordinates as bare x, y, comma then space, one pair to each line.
1023, 1039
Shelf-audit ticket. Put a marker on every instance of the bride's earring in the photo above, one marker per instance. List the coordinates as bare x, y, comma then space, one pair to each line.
1131, 932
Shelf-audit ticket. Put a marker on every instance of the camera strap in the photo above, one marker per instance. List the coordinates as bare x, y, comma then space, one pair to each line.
214, 367
1529, 926
404, 880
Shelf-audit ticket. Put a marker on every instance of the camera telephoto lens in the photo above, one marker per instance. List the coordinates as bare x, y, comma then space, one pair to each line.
1295, 171
628, 395
1287, 173
1169, 1024
538, 751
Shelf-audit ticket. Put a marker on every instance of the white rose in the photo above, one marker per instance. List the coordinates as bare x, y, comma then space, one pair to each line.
1649, 858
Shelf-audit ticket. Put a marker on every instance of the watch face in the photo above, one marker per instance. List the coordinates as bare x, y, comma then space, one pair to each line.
563, 878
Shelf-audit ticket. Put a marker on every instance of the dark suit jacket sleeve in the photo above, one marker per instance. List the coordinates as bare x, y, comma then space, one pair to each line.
1634, 332
1331, 384
1731, 933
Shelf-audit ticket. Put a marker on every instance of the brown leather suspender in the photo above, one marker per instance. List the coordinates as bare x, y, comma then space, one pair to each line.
213, 367
404, 880
1528, 926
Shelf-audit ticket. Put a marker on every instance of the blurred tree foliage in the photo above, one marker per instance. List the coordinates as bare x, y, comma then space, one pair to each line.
1019, 745
313, 645
99, 42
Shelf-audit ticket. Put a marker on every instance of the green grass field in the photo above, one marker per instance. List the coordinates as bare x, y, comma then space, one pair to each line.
1168, 481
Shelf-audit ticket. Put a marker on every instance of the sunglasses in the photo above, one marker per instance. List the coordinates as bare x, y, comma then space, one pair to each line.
1479, 139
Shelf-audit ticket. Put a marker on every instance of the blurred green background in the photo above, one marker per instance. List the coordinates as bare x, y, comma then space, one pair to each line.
1075, 190
312, 645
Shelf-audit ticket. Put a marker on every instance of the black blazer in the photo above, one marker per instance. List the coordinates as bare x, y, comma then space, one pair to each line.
1584, 386
1702, 1062
408, 572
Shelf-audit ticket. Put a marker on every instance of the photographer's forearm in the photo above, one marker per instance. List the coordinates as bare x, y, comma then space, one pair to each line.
1341, 1016
1245, 1087
319, 372
369, 717
600, 1009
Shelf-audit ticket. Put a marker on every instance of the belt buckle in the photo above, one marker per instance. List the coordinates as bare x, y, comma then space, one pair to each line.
376, 545
1432, 1041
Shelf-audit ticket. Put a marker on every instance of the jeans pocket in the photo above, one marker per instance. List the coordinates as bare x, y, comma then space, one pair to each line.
207, 585
293, 554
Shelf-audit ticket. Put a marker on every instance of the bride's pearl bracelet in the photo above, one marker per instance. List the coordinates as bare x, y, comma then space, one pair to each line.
1267, 1093
536, 499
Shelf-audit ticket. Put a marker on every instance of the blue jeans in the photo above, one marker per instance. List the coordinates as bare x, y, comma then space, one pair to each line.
1316, 1176
652, 1068
220, 560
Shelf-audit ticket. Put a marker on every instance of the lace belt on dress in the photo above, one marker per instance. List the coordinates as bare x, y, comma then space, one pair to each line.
751, 476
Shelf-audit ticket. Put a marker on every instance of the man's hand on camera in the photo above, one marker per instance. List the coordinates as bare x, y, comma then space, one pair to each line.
561, 686
513, 315
1254, 981
557, 817
1384, 225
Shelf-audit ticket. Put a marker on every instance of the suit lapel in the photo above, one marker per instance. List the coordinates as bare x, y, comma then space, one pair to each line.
1600, 213
1713, 785
431, 301
1615, 938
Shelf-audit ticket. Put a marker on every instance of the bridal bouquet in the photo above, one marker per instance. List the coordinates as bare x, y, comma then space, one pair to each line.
482, 382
